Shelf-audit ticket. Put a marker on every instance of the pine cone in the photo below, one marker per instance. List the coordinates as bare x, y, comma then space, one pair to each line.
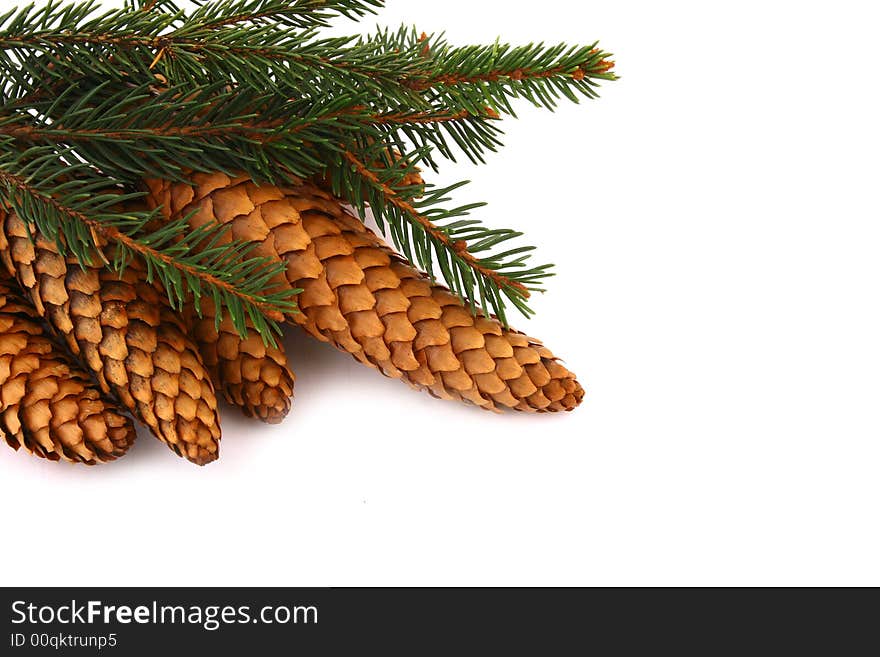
123, 331
364, 299
48, 405
250, 374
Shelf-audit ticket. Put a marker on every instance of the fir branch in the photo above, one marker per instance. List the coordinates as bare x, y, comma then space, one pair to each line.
400, 69
302, 14
254, 89
421, 118
401, 65
69, 41
473, 133
78, 209
470, 76
430, 229
142, 131
137, 131
452, 246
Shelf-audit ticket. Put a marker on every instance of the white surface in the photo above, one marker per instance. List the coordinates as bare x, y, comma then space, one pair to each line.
715, 221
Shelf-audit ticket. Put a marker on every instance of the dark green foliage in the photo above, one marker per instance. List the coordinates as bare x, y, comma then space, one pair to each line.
251, 86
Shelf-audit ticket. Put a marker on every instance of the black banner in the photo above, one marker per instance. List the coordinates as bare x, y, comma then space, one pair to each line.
124, 621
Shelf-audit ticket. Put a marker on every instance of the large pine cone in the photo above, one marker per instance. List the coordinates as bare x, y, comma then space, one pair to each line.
121, 328
364, 299
48, 405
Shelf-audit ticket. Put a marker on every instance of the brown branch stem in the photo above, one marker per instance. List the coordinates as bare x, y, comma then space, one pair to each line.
59, 132
429, 80
458, 247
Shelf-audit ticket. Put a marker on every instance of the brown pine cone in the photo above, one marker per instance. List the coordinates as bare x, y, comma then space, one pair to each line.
123, 331
364, 299
250, 374
48, 405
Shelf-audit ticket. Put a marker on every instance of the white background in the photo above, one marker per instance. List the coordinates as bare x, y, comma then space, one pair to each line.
714, 218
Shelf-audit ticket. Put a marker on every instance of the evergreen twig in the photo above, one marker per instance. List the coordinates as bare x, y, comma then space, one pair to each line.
252, 86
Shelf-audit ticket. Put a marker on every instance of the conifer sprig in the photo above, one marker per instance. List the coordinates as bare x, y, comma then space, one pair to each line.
72, 40
253, 86
141, 131
437, 238
300, 14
